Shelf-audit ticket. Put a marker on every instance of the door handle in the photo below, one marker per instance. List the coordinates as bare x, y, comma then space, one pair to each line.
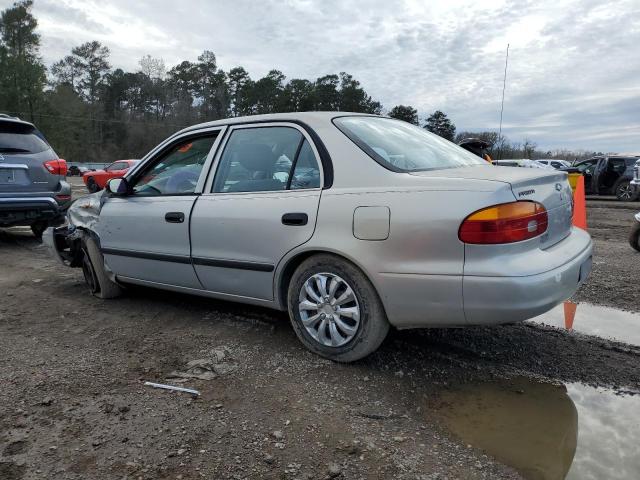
174, 217
295, 219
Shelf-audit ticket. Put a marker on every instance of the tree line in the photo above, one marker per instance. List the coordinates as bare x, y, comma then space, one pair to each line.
90, 111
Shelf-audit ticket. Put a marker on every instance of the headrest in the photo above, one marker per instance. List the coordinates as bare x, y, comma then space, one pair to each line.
256, 157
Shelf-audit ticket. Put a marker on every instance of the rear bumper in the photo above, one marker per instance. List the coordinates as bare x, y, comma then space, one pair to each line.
418, 301
635, 184
27, 210
506, 299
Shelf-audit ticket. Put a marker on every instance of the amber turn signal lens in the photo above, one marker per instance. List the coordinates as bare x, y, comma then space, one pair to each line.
505, 223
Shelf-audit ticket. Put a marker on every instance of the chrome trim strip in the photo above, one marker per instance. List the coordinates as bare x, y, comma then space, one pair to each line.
50, 200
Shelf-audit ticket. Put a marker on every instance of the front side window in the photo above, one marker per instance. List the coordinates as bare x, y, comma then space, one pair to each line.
261, 159
402, 147
176, 172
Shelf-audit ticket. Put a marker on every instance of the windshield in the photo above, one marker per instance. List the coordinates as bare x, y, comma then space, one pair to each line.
402, 147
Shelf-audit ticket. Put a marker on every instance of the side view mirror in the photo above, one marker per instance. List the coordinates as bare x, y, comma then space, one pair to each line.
118, 186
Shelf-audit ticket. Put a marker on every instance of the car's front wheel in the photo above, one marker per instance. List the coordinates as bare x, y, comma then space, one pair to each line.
99, 283
335, 310
92, 186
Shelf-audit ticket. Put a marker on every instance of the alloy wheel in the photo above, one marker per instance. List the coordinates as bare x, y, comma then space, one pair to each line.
625, 192
329, 309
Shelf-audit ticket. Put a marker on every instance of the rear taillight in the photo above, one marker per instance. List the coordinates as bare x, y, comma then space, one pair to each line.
505, 223
56, 167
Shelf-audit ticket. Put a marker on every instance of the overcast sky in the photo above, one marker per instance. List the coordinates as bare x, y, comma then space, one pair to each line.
574, 66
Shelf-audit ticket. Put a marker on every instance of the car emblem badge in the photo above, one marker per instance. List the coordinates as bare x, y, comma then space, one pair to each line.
558, 186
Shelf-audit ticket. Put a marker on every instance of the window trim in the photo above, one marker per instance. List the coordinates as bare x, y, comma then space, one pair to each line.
208, 186
318, 145
136, 171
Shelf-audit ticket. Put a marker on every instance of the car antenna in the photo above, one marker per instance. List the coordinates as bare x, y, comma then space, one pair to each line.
504, 86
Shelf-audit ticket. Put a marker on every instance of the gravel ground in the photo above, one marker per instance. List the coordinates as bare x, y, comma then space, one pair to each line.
73, 404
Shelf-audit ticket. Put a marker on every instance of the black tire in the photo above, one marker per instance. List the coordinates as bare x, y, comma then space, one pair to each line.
373, 325
624, 191
634, 236
99, 283
92, 186
38, 229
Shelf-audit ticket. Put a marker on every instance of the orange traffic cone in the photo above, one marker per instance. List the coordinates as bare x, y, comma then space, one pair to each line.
580, 221
569, 314
580, 205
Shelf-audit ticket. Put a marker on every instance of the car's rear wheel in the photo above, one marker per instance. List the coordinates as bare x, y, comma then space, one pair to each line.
624, 191
335, 310
634, 236
92, 186
38, 229
99, 283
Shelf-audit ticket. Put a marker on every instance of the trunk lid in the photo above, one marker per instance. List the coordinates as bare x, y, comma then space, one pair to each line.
549, 187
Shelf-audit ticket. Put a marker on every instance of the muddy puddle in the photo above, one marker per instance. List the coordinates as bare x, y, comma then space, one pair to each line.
547, 431
596, 320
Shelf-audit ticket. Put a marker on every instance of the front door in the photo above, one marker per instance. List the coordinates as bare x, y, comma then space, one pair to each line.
145, 235
261, 204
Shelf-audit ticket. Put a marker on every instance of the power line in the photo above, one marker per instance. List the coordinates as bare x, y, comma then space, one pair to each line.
100, 120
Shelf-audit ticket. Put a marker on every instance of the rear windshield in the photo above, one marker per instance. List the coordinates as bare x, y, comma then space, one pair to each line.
402, 147
20, 138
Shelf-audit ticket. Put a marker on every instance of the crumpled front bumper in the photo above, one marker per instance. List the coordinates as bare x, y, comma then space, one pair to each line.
61, 242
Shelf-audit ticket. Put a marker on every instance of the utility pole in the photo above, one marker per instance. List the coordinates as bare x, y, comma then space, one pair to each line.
504, 86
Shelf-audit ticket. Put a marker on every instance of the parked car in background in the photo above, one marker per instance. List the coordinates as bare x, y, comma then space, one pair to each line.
350, 222
634, 236
33, 190
76, 171
96, 180
609, 175
635, 181
477, 147
555, 163
521, 162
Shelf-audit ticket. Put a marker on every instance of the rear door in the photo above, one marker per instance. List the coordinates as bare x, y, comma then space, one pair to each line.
23, 153
587, 168
145, 235
261, 204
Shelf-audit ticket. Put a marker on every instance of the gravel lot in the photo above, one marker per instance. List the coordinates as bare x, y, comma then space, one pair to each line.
73, 403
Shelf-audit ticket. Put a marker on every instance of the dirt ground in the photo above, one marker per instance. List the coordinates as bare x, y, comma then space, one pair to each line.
73, 403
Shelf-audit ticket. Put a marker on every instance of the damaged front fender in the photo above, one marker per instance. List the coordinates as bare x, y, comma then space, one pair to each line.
65, 242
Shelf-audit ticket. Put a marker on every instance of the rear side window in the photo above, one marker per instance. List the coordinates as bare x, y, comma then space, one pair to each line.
402, 147
265, 159
20, 138
306, 173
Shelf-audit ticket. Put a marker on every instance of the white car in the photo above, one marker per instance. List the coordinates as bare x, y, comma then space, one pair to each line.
555, 163
352, 223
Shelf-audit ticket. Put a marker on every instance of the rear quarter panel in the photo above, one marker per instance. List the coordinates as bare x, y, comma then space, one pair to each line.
417, 270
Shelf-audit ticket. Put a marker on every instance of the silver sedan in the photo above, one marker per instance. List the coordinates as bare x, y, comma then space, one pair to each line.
352, 223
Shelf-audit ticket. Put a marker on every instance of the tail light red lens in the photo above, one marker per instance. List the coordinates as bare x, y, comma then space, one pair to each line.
56, 167
505, 223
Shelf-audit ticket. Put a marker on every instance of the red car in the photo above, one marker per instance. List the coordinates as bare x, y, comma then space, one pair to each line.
97, 179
